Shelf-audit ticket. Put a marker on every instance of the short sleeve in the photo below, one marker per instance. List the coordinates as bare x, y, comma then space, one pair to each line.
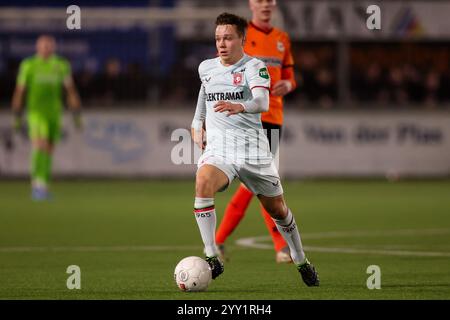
201, 68
24, 73
258, 75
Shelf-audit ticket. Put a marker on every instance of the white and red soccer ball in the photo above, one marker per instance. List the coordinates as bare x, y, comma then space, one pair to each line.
192, 274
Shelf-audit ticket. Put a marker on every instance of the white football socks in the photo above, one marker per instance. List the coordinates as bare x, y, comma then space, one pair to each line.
205, 214
289, 231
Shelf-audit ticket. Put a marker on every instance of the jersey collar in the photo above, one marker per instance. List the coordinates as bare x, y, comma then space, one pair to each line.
261, 30
238, 63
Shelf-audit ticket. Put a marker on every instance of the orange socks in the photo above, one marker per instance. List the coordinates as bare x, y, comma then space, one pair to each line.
234, 212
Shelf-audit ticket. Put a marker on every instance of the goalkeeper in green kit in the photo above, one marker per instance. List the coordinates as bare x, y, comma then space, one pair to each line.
41, 79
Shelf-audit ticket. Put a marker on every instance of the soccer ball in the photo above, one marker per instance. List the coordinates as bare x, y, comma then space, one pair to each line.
192, 274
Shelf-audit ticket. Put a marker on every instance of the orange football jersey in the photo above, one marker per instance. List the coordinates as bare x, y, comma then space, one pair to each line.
274, 48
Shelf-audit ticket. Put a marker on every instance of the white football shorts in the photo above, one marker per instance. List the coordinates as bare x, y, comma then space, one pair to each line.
259, 179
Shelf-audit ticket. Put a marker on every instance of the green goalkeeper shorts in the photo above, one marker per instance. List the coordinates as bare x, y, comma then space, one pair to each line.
42, 127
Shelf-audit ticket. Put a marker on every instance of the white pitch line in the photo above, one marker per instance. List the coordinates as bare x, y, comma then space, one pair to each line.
379, 252
254, 242
374, 233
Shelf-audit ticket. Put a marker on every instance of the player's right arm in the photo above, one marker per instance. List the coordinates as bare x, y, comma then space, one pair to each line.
197, 130
17, 99
19, 93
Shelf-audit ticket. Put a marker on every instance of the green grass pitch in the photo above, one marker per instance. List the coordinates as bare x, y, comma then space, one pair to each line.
127, 237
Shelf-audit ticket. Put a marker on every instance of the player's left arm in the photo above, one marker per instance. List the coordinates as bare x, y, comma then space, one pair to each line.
259, 83
287, 82
259, 103
73, 98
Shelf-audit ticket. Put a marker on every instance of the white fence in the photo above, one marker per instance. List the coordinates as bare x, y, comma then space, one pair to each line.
147, 143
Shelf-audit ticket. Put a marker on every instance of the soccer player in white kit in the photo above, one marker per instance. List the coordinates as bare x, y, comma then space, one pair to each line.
233, 93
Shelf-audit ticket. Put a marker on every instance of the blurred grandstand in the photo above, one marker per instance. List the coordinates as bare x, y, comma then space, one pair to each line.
123, 59
143, 55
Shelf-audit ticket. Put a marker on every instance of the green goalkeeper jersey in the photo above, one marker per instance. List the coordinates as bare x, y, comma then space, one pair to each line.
44, 81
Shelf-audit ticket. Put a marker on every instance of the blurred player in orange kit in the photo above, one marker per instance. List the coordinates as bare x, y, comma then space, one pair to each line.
272, 46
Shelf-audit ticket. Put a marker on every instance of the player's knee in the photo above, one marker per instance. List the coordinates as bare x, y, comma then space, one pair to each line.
204, 187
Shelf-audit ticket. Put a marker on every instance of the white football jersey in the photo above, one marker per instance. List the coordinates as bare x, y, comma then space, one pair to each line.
238, 138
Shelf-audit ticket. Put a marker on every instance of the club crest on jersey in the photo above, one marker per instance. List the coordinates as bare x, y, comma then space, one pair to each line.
280, 46
237, 78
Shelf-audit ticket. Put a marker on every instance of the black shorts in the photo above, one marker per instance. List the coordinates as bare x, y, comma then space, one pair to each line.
273, 131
